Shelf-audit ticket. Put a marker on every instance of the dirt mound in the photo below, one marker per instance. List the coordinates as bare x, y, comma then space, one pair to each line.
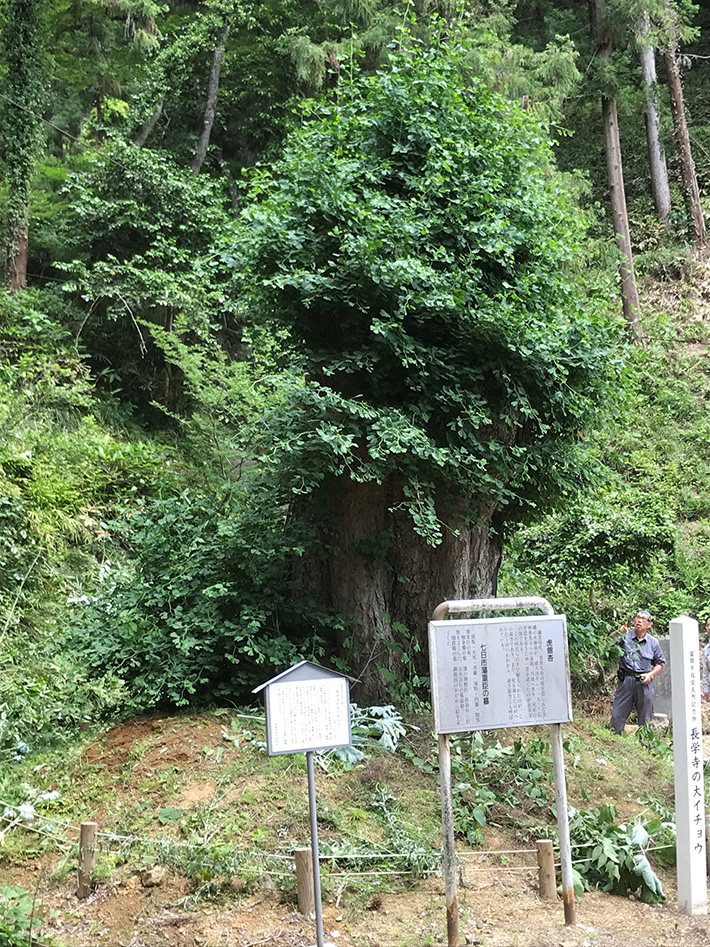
154, 743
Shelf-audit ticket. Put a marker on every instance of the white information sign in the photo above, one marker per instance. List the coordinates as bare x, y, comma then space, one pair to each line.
489, 673
307, 715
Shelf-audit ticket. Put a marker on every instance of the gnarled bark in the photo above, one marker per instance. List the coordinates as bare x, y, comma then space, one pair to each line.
387, 580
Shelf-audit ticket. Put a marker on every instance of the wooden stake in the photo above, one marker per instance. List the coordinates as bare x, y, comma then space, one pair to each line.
304, 881
87, 858
546, 862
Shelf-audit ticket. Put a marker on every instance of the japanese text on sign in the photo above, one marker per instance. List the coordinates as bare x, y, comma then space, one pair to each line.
501, 672
308, 715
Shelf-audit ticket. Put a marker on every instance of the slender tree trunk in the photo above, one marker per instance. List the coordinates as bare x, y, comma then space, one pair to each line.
690, 179
211, 106
17, 256
386, 580
617, 192
659, 170
146, 129
617, 195
22, 41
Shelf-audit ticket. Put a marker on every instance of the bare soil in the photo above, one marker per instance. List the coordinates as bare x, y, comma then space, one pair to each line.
499, 904
497, 910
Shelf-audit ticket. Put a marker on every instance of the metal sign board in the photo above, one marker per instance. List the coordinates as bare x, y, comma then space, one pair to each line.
489, 673
307, 708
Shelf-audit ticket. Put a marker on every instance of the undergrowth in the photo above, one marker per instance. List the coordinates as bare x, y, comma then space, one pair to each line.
375, 815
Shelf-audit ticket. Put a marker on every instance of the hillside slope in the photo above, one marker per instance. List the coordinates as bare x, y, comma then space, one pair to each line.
198, 797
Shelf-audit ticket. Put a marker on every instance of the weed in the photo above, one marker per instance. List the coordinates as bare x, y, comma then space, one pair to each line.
20, 924
418, 854
615, 855
655, 742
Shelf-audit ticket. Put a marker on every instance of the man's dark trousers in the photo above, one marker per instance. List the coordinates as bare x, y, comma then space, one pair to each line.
631, 694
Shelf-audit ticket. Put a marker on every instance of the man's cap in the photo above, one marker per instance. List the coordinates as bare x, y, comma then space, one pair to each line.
642, 613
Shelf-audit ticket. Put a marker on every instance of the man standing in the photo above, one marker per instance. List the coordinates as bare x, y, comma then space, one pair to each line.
641, 660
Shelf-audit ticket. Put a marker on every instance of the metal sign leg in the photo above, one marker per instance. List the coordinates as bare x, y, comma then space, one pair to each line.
314, 846
448, 851
558, 765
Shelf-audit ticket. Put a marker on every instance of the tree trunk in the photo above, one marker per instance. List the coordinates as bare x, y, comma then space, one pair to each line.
386, 580
659, 170
617, 192
617, 195
24, 84
690, 179
146, 129
211, 107
17, 253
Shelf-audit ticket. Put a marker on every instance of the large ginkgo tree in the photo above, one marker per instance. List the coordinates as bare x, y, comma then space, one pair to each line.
416, 251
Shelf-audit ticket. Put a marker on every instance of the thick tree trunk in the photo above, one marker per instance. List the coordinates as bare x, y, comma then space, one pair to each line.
690, 179
17, 253
21, 37
211, 107
386, 580
146, 129
659, 171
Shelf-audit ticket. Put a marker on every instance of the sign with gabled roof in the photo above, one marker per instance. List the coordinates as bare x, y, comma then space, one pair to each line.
307, 708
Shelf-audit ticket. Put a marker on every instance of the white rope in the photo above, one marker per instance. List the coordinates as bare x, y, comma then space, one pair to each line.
510, 851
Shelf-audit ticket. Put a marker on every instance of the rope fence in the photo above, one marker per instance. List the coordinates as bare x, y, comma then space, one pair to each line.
92, 841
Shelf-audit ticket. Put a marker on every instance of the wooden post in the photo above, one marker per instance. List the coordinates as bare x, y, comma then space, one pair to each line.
546, 862
304, 881
87, 858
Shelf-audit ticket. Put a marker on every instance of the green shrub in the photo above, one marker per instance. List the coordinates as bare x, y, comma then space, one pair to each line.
19, 923
614, 856
206, 605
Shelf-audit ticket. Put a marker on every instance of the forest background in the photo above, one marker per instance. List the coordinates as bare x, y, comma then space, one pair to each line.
313, 320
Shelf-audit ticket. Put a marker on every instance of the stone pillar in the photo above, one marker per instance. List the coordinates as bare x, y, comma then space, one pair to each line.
688, 765
662, 703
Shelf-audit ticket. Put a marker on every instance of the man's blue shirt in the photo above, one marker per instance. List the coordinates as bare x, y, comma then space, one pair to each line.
641, 656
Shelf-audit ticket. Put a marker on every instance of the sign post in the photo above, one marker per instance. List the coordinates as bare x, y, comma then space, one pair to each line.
308, 709
499, 672
686, 688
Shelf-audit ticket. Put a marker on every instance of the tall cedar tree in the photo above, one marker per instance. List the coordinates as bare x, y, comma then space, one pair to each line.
660, 187
415, 245
617, 191
23, 50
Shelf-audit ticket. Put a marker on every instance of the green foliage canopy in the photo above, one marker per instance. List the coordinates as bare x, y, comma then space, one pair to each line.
419, 250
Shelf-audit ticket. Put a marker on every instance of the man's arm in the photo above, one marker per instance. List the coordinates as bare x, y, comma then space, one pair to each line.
659, 659
649, 675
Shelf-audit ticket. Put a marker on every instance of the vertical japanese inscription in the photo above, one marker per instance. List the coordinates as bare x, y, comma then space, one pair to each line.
697, 801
